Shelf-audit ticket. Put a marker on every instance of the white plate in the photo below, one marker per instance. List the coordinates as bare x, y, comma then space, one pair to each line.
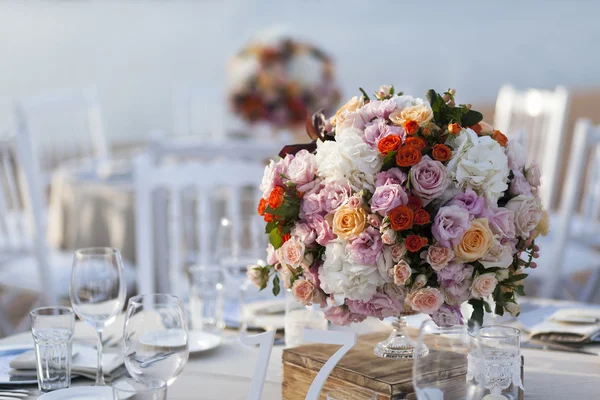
80, 393
203, 341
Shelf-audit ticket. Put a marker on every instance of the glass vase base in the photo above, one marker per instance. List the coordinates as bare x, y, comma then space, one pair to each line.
400, 348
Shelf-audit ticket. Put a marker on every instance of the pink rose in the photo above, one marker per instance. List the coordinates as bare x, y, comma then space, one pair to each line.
380, 306
395, 292
366, 247
352, 120
334, 195
311, 203
428, 179
355, 201
303, 291
302, 169
374, 220
304, 233
501, 221
322, 229
378, 109
426, 300
291, 253
528, 212
388, 197
401, 273
483, 285
393, 176
447, 316
533, 175
378, 129
389, 236
254, 274
450, 224
342, 316
398, 251
439, 256
271, 256
519, 185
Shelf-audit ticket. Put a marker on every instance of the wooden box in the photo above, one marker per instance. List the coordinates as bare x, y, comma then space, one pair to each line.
391, 379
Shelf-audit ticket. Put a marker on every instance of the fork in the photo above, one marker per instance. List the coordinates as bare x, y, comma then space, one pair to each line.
15, 393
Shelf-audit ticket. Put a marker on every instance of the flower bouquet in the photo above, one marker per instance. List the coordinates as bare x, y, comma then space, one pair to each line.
401, 206
278, 80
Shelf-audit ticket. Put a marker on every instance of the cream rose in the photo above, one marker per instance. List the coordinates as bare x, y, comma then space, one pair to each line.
303, 291
438, 256
483, 285
254, 274
420, 113
291, 253
349, 221
543, 227
401, 273
476, 241
426, 300
420, 281
398, 251
486, 128
352, 105
389, 236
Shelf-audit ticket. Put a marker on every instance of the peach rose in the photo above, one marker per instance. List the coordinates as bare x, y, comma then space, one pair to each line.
291, 253
426, 300
349, 221
483, 285
351, 106
303, 291
401, 272
398, 251
420, 113
486, 128
438, 256
476, 241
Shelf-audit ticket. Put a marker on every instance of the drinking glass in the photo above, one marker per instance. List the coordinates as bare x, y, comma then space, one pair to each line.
52, 331
437, 371
133, 390
299, 317
239, 243
500, 360
351, 394
155, 339
206, 299
98, 291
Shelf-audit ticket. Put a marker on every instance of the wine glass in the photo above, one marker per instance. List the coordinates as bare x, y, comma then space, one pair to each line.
240, 242
155, 339
98, 291
438, 372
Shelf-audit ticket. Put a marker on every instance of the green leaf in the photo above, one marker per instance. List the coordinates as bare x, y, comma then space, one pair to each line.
520, 290
499, 310
365, 95
276, 285
275, 238
519, 277
487, 307
389, 161
471, 117
477, 315
270, 226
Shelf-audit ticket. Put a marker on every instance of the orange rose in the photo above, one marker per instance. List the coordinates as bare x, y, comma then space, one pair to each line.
269, 218
476, 241
415, 243
408, 156
262, 206
415, 141
401, 218
500, 138
276, 197
286, 237
454, 129
389, 143
411, 127
422, 217
441, 152
414, 202
477, 128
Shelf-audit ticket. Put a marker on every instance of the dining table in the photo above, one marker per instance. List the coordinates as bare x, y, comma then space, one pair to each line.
226, 371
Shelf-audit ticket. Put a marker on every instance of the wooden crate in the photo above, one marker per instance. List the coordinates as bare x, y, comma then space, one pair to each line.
391, 379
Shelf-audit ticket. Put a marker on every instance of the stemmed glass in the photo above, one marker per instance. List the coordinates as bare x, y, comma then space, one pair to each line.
98, 291
155, 341
438, 373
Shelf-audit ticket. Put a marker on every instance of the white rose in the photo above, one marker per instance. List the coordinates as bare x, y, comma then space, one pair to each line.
502, 274
343, 279
533, 175
349, 158
480, 163
306, 69
515, 154
405, 101
483, 285
498, 256
528, 212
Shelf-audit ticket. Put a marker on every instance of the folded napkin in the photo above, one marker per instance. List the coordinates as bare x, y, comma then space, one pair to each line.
84, 363
569, 325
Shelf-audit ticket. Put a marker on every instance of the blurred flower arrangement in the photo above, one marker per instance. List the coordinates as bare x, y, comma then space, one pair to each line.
402, 205
278, 81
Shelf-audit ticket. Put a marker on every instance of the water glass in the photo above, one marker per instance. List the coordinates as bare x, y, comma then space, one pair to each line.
52, 330
206, 299
500, 359
351, 394
155, 339
98, 291
436, 370
132, 390
299, 317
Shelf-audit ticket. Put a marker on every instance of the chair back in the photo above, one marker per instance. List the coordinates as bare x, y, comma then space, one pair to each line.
583, 169
196, 180
64, 125
537, 119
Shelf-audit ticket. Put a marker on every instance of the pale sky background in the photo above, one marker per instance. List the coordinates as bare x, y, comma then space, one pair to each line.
137, 51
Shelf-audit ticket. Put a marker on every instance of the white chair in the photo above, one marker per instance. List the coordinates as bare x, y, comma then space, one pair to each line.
537, 119
574, 243
204, 179
63, 125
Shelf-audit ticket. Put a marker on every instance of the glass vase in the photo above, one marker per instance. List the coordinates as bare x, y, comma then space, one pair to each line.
399, 345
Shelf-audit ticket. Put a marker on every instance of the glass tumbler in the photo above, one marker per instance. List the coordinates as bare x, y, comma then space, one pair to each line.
299, 317
206, 299
133, 390
500, 359
52, 330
